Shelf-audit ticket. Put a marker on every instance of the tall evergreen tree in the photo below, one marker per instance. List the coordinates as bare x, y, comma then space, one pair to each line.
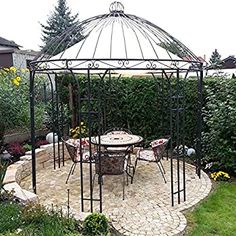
215, 60
60, 30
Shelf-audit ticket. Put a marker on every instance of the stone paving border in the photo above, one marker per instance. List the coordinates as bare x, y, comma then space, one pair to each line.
146, 209
23, 168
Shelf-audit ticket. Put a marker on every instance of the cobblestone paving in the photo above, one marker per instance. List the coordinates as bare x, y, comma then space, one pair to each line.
146, 209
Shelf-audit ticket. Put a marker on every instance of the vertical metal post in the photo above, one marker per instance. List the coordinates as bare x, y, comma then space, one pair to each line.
199, 122
183, 129
81, 163
68, 202
32, 119
57, 122
53, 120
90, 151
178, 131
45, 93
171, 138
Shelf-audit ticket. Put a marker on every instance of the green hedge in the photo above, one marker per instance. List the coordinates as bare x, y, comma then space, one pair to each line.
139, 104
142, 105
219, 136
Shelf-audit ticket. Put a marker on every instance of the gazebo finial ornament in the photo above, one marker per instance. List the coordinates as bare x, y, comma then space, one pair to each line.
116, 7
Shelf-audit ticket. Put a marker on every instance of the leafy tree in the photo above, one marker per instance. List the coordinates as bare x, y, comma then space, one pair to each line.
215, 60
61, 30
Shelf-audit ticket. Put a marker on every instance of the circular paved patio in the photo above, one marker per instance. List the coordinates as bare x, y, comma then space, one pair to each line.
146, 209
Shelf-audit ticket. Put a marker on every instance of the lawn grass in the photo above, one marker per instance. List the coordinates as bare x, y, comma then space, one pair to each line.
217, 214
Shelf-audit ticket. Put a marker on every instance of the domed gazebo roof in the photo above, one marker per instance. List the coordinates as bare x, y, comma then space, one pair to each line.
117, 36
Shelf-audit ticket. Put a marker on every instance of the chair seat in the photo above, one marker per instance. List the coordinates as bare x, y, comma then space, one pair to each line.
146, 155
153, 155
85, 157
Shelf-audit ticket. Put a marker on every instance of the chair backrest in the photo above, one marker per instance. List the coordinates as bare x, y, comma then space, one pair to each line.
158, 147
117, 131
74, 149
112, 163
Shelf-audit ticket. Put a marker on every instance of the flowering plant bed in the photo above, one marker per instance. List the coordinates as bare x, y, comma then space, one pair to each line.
220, 176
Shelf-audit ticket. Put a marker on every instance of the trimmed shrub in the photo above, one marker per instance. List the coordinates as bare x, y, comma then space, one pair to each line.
219, 137
96, 224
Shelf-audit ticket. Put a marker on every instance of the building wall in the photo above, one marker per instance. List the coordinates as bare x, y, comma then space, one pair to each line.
20, 59
223, 72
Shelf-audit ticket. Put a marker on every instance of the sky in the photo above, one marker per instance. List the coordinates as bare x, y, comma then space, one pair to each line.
202, 25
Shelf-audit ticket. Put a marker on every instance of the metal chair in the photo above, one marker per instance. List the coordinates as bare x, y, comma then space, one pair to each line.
111, 163
117, 131
129, 149
155, 154
76, 150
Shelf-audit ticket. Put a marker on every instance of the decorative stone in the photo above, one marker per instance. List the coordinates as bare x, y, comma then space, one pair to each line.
191, 152
22, 194
49, 137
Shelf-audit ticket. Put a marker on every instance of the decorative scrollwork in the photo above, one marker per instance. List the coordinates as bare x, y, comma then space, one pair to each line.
123, 63
93, 64
69, 63
151, 64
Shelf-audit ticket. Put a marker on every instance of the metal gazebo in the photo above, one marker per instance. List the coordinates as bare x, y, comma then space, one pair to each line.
117, 44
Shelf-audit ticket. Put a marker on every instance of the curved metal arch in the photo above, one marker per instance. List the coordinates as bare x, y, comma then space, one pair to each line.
143, 33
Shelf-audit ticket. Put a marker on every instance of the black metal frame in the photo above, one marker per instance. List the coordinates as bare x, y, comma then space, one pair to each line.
167, 69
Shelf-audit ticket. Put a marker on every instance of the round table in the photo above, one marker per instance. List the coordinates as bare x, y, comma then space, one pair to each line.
117, 140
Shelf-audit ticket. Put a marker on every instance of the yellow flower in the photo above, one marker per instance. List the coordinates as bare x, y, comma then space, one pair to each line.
220, 175
18, 78
15, 82
13, 69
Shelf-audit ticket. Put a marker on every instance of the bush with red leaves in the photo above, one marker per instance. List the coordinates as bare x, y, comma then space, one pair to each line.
16, 149
41, 142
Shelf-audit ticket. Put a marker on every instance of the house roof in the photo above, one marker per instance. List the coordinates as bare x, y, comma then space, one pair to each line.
8, 43
227, 63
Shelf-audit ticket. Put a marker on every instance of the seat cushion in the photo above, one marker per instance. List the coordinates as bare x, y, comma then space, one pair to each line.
85, 157
158, 142
76, 144
146, 155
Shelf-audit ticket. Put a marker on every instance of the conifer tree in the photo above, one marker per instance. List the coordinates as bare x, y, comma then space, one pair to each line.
60, 21
215, 60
